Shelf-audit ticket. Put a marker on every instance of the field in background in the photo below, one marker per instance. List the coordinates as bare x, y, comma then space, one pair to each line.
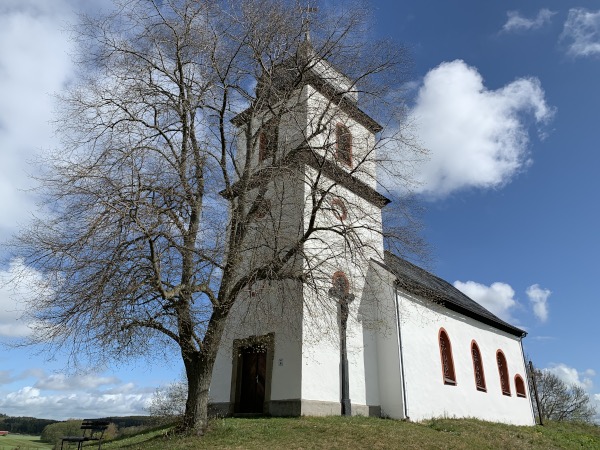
22, 442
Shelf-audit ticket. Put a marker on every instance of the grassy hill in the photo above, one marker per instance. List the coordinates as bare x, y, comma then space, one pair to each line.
370, 433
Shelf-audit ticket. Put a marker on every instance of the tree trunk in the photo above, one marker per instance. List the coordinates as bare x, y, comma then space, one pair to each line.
198, 369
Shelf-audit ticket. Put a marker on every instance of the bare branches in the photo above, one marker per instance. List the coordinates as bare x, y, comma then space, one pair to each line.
561, 401
201, 155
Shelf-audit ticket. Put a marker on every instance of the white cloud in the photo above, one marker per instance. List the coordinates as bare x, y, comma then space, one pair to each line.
572, 376
34, 64
476, 137
498, 298
581, 32
75, 396
516, 22
60, 382
14, 297
31, 401
539, 300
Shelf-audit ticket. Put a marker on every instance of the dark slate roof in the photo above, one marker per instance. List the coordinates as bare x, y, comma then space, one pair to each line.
419, 282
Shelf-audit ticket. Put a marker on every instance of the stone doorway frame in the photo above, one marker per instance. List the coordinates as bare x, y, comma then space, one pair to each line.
267, 341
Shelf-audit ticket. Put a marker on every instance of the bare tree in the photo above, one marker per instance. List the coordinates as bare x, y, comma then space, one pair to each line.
168, 402
155, 204
561, 401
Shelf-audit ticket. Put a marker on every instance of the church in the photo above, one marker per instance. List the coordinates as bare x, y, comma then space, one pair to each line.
370, 333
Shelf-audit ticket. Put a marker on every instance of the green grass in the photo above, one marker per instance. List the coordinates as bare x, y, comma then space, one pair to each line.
370, 433
22, 442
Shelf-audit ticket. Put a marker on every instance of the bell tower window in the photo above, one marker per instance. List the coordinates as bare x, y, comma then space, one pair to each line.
343, 144
267, 140
339, 209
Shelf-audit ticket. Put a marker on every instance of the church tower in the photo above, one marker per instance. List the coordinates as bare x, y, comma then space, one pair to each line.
300, 345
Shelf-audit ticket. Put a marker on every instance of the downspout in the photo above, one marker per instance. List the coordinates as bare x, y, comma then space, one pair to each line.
530, 375
400, 355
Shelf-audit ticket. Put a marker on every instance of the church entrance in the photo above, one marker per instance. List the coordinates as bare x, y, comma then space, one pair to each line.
253, 379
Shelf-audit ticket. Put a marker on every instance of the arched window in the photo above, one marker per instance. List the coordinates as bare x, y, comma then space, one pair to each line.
267, 140
448, 373
503, 371
520, 386
339, 208
478, 367
343, 144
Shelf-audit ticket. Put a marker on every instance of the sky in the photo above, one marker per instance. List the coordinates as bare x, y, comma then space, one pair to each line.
504, 94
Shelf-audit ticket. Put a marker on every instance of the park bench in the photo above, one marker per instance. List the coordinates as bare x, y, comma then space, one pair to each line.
93, 430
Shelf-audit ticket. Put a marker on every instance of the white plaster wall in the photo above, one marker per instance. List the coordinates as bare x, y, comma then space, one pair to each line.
381, 283
426, 394
277, 311
321, 354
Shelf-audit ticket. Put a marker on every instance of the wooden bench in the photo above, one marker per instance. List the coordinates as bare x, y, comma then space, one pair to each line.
93, 430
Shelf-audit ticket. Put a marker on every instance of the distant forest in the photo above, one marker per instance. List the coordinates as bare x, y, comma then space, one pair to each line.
34, 426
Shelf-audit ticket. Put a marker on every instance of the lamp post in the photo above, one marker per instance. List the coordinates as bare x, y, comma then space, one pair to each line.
340, 292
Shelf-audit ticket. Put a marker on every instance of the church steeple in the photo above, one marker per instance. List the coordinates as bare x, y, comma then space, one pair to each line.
306, 20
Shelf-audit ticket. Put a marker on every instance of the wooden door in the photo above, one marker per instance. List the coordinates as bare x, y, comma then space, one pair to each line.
253, 376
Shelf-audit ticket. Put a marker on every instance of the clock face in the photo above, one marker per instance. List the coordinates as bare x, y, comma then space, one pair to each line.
339, 208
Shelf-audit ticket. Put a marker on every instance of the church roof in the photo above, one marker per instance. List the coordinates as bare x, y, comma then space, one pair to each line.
418, 281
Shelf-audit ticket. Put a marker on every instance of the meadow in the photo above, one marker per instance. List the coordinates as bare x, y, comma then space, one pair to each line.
22, 442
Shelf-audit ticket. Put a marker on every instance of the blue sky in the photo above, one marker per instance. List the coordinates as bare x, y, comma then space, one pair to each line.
504, 94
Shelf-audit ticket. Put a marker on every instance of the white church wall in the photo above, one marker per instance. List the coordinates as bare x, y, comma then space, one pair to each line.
426, 394
321, 355
267, 306
388, 363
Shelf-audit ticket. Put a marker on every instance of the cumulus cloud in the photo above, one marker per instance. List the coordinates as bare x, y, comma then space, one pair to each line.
477, 137
60, 397
572, 376
539, 301
516, 22
60, 382
15, 296
31, 401
581, 33
34, 64
498, 298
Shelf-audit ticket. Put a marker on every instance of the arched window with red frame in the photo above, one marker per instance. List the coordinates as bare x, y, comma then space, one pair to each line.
267, 140
478, 367
520, 386
343, 139
503, 372
448, 374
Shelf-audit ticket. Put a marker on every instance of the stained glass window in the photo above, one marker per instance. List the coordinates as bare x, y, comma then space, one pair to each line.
446, 357
503, 371
478, 367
